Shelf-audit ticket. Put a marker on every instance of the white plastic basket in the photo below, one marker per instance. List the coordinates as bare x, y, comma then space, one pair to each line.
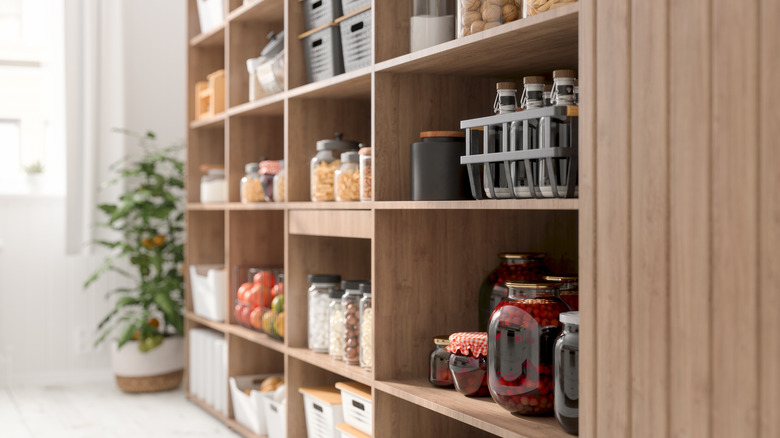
248, 409
208, 291
322, 407
210, 14
348, 431
276, 416
357, 405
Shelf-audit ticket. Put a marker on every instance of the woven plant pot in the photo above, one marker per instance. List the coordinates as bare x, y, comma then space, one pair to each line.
159, 369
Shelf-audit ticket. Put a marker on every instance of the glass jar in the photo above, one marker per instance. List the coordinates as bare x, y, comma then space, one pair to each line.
366, 193
569, 287
212, 184
567, 368
477, 15
533, 7
366, 328
351, 305
468, 363
336, 324
514, 266
319, 301
347, 178
432, 23
268, 170
553, 173
280, 179
439, 369
251, 188
521, 336
324, 165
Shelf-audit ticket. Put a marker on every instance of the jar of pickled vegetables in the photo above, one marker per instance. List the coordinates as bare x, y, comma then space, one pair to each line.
521, 337
513, 267
569, 287
468, 363
439, 369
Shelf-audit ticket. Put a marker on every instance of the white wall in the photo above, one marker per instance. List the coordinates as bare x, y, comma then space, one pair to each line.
47, 322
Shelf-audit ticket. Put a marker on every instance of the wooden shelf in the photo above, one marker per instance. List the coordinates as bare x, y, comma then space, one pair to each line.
218, 121
480, 412
215, 38
487, 204
256, 337
322, 360
218, 326
267, 106
358, 224
216, 206
542, 42
261, 11
353, 85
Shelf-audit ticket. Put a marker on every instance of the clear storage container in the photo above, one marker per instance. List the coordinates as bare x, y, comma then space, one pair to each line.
280, 179
347, 178
365, 173
570, 289
432, 23
269, 67
212, 184
439, 368
325, 164
567, 367
351, 305
468, 363
521, 337
477, 15
366, 328
251, 187
533, 7
513, 267
268, 170
319, 301
336, 324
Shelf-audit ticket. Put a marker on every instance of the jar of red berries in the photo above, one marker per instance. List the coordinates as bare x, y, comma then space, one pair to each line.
513, 267
439, 371
468, 363
521, 339
570, 289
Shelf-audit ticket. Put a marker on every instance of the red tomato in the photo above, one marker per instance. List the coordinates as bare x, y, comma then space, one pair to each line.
245, 313
265, 279
277, 290
254, 318
237, 312
243, 291
253, 296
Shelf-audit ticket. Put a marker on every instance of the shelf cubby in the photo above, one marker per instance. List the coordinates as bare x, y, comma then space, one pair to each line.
252, 139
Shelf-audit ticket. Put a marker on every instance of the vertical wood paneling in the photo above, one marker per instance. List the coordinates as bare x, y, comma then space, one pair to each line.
690, 195
769, 217
613, 227
734, 218
649, 219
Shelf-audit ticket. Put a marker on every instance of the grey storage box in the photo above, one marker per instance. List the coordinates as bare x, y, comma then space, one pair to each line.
322, 50
320, 12
356, 39
350, 6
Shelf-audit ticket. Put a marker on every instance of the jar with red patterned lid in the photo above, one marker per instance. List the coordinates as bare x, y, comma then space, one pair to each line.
468, 362
513, 267
521, 338
570, 289
268, 169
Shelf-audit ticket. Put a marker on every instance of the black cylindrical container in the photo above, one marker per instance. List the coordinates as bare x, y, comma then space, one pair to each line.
436, 171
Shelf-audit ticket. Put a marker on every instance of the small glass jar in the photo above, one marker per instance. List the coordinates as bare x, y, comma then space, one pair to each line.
336, 325
280, 179
553, 173
513, 267
319, 301
569, 287
324, 166
212, 184
347, 178
439, 369
251, 188
366, 193
432, 22
468, 363
521, 337
268, 170
351, 305
366, 328
567, 368
477, 15
506, 98
533, 7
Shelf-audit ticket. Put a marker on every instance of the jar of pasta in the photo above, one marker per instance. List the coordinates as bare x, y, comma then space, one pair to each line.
325, 164
347, 178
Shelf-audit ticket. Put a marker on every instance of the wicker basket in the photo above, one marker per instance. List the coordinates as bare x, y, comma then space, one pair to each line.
162, 382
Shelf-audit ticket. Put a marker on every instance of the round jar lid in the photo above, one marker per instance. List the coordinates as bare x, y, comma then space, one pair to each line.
365, 288
336, 144
324, 278
521, 255
349, 157
274, 46
441, 340
353, 285
269, 167
336, 293
468, 344
364, 150
564, 74
570, 318
535, 285
561, 278
533, 80
506, 86
251, 167
547, 88
205, 168
442, 134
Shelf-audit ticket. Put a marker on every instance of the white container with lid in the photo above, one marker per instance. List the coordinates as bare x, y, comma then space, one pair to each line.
322, 409
212, 184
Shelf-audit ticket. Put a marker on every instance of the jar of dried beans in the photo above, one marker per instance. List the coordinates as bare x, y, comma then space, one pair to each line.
468, 362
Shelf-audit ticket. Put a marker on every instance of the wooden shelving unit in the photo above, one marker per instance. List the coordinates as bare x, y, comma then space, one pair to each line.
426, 260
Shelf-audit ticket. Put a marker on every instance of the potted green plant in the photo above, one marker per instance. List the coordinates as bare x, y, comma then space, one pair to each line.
34, 173
147, 221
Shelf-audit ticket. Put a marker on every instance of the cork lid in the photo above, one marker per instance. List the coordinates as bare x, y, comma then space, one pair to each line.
435, 134
564, 74
533, 80
507, 86
364, 150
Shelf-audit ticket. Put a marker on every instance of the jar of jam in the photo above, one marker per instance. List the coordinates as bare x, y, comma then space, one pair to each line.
521, 336
569, 287
567, 381
468, 363
268, 169
513, 267
439, 370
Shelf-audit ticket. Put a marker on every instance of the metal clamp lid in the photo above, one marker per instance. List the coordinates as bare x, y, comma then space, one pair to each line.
274, 46
336, 144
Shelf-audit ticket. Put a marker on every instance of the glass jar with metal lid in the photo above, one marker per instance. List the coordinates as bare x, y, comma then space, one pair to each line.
513, 266
439, 369
350, 303
569, 287
319, 301
567, 366
212, 184
324, 165
347, 178
336, 324
521, 337
366, 193
279, 183
251, 187
366, 328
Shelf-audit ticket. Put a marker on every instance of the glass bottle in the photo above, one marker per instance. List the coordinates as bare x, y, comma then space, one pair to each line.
366, 328
319, 301
336, 324
347, 178
439, 369
513, 266
567, 380
505, 102
524, 135
350, 303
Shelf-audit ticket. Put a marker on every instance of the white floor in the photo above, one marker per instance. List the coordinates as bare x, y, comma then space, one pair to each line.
96, 410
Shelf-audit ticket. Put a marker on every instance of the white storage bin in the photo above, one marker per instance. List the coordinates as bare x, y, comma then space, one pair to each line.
208, 291
211, 13
275, 416
356, 402
348, 431
322, 406
248, 409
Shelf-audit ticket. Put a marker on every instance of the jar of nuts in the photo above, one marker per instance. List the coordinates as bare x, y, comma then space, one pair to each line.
477, 15
350, 303
468, 363
347, 178
319, 300
325, 164
533, 7
365, 174
251, 188
366, 328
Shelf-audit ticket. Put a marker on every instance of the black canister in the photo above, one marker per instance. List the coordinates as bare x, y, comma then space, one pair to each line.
437, 174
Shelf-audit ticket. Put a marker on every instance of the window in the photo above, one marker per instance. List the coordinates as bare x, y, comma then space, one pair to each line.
10, 148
